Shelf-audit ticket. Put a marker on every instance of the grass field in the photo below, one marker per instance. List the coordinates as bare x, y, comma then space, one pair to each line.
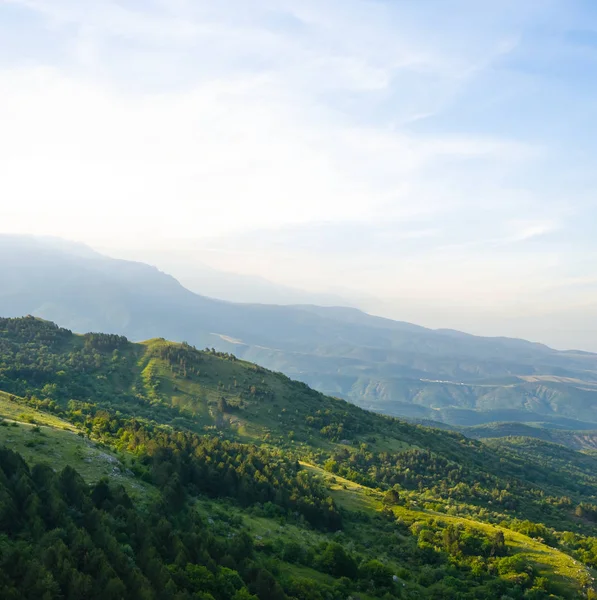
44, 438
272, 401
13, 410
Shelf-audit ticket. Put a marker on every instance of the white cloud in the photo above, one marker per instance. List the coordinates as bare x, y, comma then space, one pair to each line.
113, 18
231, 123
528, 230
227, 155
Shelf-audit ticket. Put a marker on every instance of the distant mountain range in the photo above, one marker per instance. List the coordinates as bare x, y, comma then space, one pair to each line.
233, 287
388, 366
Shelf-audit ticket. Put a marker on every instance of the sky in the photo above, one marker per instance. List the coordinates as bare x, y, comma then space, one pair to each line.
431, 161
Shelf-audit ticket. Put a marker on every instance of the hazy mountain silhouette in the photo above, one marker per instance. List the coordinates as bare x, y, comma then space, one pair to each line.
389, 366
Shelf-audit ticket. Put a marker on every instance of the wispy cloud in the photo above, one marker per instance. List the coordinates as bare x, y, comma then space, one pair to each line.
529, 230
403, 144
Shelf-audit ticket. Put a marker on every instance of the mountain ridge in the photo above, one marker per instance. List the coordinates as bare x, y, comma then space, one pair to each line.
390, 366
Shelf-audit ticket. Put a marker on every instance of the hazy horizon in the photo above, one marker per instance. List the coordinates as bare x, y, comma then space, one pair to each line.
431, 164
237, 287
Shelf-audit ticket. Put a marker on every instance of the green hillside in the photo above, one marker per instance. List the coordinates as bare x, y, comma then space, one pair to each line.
333, 500
39, 436
62, 447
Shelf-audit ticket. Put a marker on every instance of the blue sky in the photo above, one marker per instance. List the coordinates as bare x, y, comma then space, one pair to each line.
428, 160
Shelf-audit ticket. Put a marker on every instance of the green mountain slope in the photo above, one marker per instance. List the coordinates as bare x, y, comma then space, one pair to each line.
294, 543
39, 436
208, 434
388, 366
204, 392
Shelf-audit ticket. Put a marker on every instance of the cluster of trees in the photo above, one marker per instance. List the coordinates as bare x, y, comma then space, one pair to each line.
417, 469
42, 360
586, 510
476, 492
336, 425
224, 355
30, 330
183, 359
459, 540
62, 539
582, 547
180, 462
532, 529
105, 341
183, 463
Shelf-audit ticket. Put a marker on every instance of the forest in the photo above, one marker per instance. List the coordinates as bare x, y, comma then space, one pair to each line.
228, 481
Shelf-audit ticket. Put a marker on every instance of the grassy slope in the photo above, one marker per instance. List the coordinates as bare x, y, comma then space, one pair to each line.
278, 411
267, 531
550, 562
561, 569
13, 411
42, 437
58, 443
278, 406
